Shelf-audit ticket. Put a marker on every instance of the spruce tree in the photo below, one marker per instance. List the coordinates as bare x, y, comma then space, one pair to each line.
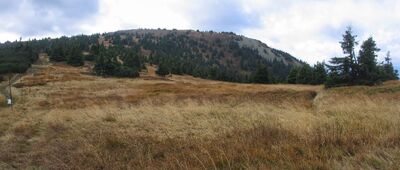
292, 77
343, 70
132, 60
368, 72
124, 71
106, 64
305, 75
350, 62
99, 67
387, 72
319, 73
57, 52
261, 76
162, 70
75, 57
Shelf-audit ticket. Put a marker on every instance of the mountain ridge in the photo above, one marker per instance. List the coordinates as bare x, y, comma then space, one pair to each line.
243, 41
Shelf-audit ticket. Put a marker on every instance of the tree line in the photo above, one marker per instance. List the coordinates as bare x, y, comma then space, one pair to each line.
308, 75
17, 56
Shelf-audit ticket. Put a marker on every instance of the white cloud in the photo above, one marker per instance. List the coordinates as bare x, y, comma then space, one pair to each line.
41, 18
121, 14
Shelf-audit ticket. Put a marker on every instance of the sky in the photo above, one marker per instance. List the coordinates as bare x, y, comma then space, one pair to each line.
308, 29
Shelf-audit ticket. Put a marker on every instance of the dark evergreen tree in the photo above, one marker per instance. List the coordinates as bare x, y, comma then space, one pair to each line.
261, 75
368, 72
95, 49
350, 61
104, 65
308, 75
75, 57
344, 69
17, 57
125, 71
292, 77
333, 80
319, 73
100, 66
386, 70
132, 60
117, 39
162, 70
304, 75
57, 52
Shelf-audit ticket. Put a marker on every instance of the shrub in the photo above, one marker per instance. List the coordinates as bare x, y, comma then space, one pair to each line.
75, 60
127, 72
90, 57
162, 70
13, 67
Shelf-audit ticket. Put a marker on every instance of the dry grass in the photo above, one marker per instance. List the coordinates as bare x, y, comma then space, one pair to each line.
85, 122
3, 102
50, 74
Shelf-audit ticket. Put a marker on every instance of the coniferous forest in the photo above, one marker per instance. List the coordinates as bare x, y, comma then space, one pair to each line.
210, 55
361, 69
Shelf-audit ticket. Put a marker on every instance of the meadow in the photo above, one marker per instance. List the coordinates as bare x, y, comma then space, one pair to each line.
65, 118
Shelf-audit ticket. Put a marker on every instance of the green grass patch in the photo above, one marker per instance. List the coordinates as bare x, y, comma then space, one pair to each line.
109, 118
378, 90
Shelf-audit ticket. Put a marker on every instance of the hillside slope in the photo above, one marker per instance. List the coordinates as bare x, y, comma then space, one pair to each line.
210, 55
65, 118
215, 38
227, 56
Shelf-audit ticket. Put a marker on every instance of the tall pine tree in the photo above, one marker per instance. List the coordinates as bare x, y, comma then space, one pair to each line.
386, 70
368, 72
343, 70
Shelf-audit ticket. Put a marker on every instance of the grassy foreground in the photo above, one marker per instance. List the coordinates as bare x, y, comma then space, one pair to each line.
66, 119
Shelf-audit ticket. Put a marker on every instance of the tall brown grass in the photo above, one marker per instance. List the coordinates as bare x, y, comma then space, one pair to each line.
2, 101
189, 123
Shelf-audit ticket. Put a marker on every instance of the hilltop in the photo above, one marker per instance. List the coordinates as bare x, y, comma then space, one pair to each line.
67, 118
216, 41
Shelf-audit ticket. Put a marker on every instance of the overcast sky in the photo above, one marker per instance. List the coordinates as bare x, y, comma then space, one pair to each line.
308, 29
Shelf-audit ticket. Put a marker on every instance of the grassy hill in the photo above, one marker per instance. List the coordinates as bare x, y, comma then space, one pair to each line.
66, 118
